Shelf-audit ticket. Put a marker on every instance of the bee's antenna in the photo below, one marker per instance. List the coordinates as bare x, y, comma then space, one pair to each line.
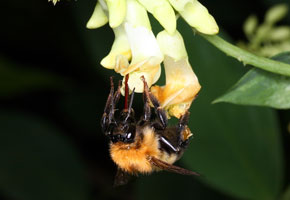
126, 91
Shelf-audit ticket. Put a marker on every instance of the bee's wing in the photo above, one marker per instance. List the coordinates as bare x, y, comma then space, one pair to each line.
121, 178
171, 168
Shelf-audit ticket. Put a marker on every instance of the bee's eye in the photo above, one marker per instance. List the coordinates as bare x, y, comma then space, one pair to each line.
130, 135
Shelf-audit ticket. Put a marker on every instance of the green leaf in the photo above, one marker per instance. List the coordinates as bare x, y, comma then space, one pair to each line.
261, 88
17, 80
37, 162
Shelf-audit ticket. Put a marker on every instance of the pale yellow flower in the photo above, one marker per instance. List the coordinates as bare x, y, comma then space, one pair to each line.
182, 85
99, 17
196, 15
136, 52
53, 1
120, 46
146, 58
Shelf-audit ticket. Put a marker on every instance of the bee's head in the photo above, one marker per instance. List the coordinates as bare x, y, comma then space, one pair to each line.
121, 128
124, 134
125, 129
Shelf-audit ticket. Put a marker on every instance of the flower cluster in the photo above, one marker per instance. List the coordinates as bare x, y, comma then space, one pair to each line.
137, 52
267, 39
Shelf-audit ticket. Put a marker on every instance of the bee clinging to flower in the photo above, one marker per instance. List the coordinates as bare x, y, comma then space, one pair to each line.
144, 145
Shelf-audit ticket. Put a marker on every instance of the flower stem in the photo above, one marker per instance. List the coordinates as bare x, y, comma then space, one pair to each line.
247, 57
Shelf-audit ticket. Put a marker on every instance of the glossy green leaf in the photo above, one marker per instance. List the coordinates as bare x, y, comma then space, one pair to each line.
37, 162
258, 87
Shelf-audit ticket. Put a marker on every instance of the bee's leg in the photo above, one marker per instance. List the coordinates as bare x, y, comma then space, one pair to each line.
129, 113
147, 109
161, 115
183, 130
160, 112
108, 116
117, 94
166, 143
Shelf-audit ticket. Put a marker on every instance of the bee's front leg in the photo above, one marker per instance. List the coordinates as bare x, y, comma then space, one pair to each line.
108, 119
160, 112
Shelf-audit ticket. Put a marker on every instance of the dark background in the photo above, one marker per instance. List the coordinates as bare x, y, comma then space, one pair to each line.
52, 95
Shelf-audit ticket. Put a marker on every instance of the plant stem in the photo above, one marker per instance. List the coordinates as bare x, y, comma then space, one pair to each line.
247, 57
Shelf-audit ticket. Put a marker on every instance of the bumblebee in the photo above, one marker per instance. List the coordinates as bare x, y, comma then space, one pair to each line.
144, 145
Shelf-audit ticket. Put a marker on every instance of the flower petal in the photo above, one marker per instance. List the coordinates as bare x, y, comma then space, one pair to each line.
146, 58
163, 12
98, 18
151, 75
117, 12
181, 87
137, 15
181, 83
196, 15
143, 45
172, 45
120, 47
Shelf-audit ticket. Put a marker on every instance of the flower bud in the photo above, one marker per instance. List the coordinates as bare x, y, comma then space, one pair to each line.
276, 13
196, 15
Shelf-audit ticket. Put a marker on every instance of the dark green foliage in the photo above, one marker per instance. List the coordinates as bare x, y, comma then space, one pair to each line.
37, 162
261, 88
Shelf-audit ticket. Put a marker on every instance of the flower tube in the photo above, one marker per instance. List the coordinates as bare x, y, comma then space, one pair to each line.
182, 85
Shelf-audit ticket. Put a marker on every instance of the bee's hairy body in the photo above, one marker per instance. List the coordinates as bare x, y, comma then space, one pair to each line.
135, 157
148, 144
